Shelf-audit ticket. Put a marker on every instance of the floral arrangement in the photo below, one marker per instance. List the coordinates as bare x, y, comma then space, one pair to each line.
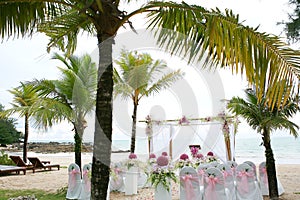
132, 161
152, 159
162, 173
211, 157
183, 161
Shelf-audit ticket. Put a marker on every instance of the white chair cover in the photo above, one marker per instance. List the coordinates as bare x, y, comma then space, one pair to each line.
189, 184
214, 187
160, 193
228, 179
201, 171
74, 182
86, 182
232, 165
247, 187
116, 182
263, 180
251, 164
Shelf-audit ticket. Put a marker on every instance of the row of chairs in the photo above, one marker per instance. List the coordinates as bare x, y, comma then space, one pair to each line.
227, 181
79, 188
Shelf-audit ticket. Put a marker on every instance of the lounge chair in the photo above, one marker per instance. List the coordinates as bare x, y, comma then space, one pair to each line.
20, 163
9, 169
37, 164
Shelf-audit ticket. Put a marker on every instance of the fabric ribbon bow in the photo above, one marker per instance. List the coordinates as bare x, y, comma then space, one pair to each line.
72, 178
243, 187
265, 180
86, 180
188, 185
210, 192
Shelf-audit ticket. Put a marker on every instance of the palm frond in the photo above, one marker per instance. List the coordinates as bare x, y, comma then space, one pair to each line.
20, 17
63, 30
164, 82
221, 40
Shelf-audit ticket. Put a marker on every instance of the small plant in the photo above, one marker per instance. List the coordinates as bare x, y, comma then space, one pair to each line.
5, 160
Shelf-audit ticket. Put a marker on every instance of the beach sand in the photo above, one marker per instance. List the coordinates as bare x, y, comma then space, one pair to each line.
51, 181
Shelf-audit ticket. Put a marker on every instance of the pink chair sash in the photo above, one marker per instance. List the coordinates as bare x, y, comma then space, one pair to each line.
226, 174
243, 187
73, 178
264, 172
188, 185
86, 180
210, 192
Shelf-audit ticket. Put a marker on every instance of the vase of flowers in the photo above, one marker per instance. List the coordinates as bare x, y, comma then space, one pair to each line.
131, 175
183, 161
160, 178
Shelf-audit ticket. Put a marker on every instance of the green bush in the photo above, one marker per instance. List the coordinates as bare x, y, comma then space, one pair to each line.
5, 160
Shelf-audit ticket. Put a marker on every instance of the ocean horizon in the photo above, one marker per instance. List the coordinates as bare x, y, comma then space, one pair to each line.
286, 149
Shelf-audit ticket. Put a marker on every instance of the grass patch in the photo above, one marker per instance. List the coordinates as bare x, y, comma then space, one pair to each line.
296, 192
39, 194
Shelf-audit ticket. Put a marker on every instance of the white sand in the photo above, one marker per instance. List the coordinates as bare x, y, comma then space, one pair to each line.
51, 181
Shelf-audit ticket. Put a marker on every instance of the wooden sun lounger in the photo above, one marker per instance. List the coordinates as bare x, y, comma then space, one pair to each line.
9, 169
20, 163
37, 164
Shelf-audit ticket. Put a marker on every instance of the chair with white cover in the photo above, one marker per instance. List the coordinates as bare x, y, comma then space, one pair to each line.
232, 165
86, 182
189, 184
228, 179
74, 182
116, 180
251, 164
201, 171
247, 187
263, 181
214, 187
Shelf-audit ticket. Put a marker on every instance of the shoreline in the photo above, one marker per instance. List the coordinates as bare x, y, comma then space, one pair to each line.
51, 181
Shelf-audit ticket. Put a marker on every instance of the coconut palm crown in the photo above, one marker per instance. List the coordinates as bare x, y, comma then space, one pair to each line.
266, 120
141, 76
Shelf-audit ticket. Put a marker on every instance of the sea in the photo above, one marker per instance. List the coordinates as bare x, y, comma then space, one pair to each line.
286, 150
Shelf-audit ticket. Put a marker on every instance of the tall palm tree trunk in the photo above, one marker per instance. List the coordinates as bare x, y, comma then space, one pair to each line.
25, 138
133, 130
103, 120
270, 165
77, 148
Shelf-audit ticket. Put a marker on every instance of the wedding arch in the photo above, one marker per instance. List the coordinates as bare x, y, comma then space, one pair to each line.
217, 135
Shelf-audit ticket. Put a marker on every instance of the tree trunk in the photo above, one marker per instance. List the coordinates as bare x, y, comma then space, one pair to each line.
270, 166
26, 138
77, 148
103, 120
133, 130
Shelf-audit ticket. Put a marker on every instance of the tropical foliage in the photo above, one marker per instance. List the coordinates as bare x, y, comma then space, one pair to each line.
141, 76
8, 132
223, 37
24, 99
292, 26
70, 98
265, 121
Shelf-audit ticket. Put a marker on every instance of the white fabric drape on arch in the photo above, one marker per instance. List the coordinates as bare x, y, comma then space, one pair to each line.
209, 135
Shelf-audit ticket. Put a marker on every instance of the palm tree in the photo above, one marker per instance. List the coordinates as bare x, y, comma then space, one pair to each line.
227, 41
25, 97
265, 120
140, 76
70, 98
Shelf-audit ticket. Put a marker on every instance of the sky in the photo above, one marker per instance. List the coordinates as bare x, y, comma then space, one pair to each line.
27, 59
